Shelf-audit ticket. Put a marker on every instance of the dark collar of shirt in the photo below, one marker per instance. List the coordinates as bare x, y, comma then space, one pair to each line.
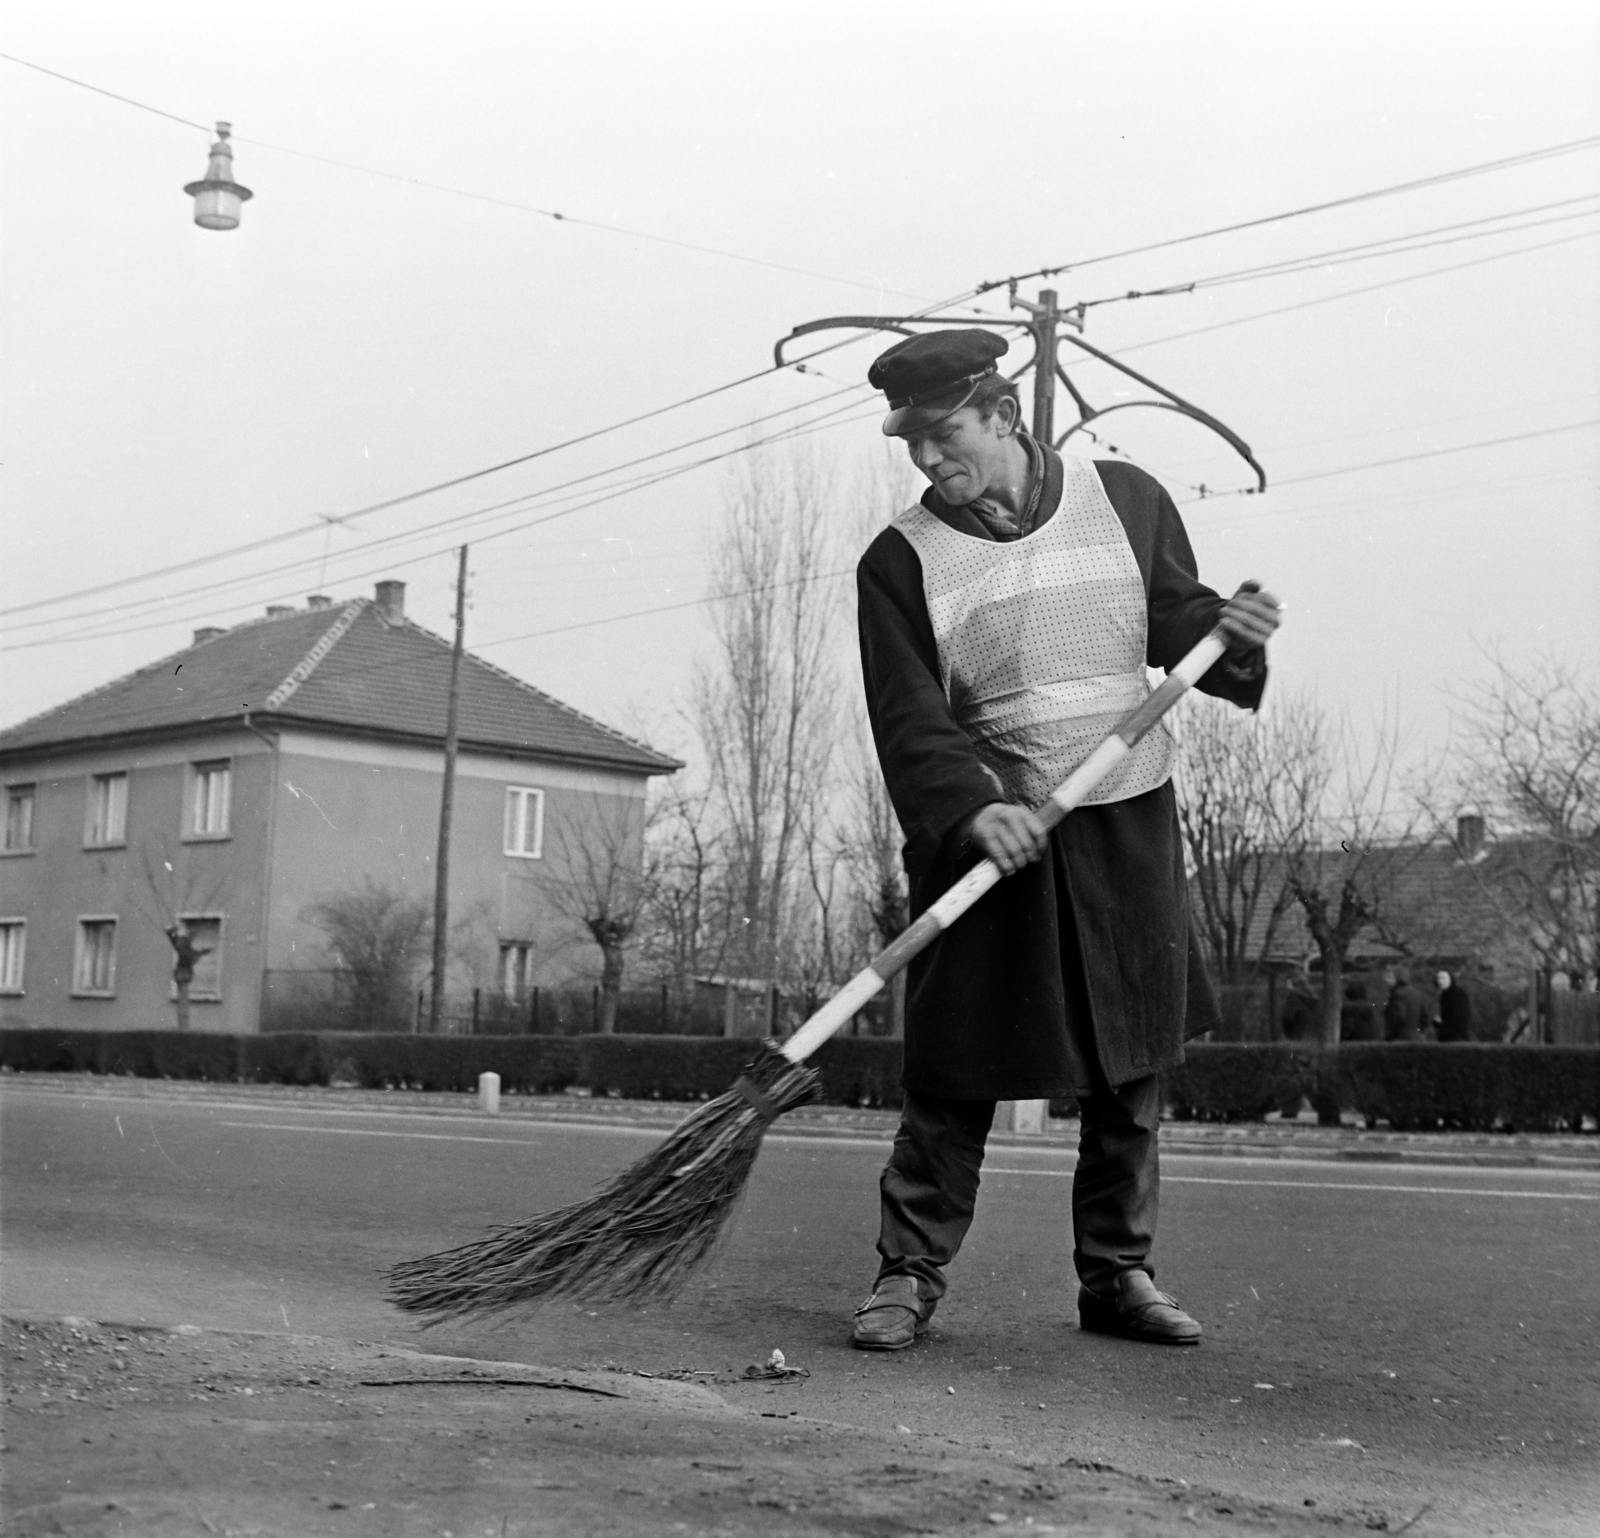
986, 520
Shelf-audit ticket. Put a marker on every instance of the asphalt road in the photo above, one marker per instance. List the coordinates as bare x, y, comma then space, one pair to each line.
1383, 1338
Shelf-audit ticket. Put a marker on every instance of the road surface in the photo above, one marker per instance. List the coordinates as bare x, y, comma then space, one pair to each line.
1377, 1338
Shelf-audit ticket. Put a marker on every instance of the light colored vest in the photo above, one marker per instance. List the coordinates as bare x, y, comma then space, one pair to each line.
1042, 642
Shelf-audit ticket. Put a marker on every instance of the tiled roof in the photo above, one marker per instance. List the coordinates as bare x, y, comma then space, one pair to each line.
1435, 904
345, 666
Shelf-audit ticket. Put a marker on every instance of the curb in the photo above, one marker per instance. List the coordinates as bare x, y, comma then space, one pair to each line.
1267, 1140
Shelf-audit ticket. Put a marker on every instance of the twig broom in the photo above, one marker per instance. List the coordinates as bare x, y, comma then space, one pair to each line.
643, 1234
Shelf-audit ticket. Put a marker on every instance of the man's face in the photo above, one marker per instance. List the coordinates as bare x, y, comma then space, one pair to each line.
1442, 979
964, 455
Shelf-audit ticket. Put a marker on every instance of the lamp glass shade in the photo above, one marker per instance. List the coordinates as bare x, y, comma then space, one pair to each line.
217, 208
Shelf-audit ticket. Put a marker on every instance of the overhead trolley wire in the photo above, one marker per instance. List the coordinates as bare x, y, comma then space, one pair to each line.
1394, 245
455, 520
1480, 168
1403, 459
608, 495
323, 522
1350, 293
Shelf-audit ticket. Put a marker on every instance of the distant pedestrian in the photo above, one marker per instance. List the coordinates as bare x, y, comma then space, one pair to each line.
1405, 1016
1299, 1019
1455, 1009
1359, 1016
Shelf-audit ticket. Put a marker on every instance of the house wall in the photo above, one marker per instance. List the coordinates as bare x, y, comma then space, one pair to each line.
159, 870
348, 811
317, 816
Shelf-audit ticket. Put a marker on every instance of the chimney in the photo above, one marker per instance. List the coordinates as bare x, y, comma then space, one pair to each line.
1469, 836
207, 633
391, 601
278, 610
319, 601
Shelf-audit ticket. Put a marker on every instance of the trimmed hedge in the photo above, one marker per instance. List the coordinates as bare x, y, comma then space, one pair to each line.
1474, 1086
1411, 1085
855, 1070
1238, 1081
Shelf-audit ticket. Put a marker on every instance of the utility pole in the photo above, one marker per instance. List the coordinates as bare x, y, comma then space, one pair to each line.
441, 885
1045, 315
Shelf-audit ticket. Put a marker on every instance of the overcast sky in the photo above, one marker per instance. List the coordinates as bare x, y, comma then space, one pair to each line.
170, 393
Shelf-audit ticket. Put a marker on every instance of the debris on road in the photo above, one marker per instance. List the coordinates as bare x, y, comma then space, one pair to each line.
777, 1369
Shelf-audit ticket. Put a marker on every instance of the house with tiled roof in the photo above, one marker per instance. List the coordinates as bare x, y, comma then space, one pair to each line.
1459, 904
1441, 905
243, 783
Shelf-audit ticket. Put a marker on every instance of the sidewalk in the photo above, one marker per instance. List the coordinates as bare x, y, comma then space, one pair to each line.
1271, 1139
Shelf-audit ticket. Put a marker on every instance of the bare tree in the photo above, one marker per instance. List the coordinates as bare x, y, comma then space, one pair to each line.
598, 881
683, 930
1345, 836
1226, 785
175, 894
761, 701
870, 840
375, 937
1529, 762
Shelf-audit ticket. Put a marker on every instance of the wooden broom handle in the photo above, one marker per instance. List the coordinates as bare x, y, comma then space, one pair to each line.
934, 920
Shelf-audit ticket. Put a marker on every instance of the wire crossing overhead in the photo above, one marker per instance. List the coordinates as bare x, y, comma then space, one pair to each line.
1481, 168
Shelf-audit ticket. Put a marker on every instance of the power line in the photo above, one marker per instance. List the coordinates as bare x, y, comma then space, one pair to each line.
385, 505
1367, 250
1350, 293
98, 90
1345, 506
642, 483
360, 512
1481, 168
461, 192
1403, 459
455, 521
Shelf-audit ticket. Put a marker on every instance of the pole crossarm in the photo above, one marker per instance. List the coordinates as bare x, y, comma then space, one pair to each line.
1171, 403
899, 323
1042, 327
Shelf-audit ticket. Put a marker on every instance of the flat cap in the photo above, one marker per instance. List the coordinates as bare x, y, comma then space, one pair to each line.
928, 377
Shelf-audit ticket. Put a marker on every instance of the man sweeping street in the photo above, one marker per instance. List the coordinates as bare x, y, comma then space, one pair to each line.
1006, 621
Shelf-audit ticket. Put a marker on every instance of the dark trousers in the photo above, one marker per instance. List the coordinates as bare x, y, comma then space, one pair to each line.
930, 1185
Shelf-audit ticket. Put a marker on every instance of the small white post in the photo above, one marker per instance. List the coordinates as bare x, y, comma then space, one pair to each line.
1021, 1116
489, 1093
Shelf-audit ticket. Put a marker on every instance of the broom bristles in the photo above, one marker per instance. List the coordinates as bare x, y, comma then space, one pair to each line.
639, 1237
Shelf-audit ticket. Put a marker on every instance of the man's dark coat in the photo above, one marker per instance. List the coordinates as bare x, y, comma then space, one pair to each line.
1405, 1015
1455, 1014
1100, 928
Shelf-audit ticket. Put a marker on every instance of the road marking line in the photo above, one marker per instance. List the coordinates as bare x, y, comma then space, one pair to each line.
429, 1137
1334, 1185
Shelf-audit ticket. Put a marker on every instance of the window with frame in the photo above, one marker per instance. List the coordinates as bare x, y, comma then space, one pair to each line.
13, 953
107, 821
212, 790
205, 931
94, 968
516, 968
524, 834
19, 819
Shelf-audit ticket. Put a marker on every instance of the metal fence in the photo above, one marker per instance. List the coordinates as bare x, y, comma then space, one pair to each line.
327, 999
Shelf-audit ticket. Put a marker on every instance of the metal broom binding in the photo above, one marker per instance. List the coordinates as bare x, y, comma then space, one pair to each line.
642, 1235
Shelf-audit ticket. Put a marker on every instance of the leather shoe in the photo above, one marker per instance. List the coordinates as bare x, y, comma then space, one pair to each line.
1137, 1311
893, 1317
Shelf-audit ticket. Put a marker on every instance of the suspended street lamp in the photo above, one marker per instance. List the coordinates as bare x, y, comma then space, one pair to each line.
218, 199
